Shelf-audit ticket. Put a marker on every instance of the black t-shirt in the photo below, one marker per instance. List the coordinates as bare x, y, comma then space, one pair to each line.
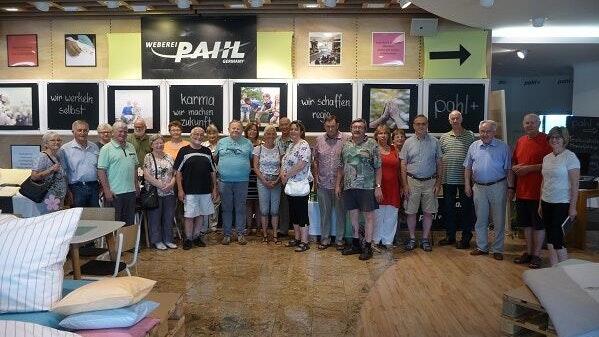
196, 167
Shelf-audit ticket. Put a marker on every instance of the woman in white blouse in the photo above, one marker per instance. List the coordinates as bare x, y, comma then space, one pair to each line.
559, 192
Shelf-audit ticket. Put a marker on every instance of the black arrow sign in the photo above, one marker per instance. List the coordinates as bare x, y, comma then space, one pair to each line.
462, 54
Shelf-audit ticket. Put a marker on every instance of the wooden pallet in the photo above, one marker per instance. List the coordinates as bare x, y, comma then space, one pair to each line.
523, 315
171, 313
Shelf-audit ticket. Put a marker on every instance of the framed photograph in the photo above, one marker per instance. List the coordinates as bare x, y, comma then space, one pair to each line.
80, 50
19, 106
261, 102
22, 50
128, 103
392, 104
388, 48
22, 156
325, 49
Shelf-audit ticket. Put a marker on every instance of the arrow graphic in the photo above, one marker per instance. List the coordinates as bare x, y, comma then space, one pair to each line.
462, 54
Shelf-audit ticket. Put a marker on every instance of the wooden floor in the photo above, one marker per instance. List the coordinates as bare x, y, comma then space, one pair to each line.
443, 293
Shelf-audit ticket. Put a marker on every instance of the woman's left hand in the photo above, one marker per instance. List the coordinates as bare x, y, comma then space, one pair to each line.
572, 213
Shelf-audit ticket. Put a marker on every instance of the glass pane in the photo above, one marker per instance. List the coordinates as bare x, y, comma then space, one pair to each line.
553, 120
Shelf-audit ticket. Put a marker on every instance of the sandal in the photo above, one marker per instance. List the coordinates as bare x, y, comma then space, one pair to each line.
535, 262
265, 240
426, 245
302, 247
322, 246
275, 240
292, 243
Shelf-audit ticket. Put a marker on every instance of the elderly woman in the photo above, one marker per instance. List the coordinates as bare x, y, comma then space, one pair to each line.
559, 192
267, 162
212, 136
386, 214
104, 134
159, 172
399, 138
253, 211
46, 167
296, 168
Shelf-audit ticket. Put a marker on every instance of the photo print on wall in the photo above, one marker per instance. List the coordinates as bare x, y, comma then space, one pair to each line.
129, 103
325, 49
80, 50
21, 50
395, 105
264, 103
19, 106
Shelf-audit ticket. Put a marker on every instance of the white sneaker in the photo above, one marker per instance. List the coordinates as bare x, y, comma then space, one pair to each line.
160, 246
171, 245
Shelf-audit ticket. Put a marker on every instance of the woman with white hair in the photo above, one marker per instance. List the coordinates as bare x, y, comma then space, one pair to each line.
104, 134
46, 167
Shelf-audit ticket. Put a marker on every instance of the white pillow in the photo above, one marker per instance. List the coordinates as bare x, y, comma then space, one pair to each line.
26, 329
32, 255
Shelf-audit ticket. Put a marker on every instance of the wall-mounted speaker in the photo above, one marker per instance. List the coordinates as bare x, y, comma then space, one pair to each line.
424, 27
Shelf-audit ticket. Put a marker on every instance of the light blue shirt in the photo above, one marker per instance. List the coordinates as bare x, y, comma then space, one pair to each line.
80, 164
488, 162
421, 155
234, 158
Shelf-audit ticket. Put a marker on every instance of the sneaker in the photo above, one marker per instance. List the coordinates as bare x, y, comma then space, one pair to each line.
160, 246
351, 250
187, 244
199, 241
366, 253
171, 245
410, 244
426, 245
226, 240
241, 240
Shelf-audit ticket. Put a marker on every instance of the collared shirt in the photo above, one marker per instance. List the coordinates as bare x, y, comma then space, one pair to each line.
119, 162
141, 145
283, 144
79, 163
234, 156
421, 155
360, 162
488, 162
454, 148
327, 154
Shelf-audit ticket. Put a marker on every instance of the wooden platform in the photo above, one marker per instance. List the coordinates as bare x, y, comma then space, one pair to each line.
523, 315
171, 313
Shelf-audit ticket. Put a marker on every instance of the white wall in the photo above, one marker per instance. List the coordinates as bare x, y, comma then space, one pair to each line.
585, 97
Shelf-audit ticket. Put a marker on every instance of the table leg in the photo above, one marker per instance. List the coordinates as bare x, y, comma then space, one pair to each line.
112, 247
74, 250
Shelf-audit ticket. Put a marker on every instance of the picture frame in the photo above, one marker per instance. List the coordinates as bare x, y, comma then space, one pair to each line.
22, 50
388, 49
260, 100
325, 48
19, 106
80, 50
128, 102
22, 156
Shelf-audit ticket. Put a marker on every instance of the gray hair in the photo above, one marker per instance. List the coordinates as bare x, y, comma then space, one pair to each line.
155, 137
270, 127
48, 136
533, 115
104, 126
456, 112
490, 122
119, 125
197, 128
79, 122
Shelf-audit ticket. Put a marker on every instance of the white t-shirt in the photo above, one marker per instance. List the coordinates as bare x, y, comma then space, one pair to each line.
556, 184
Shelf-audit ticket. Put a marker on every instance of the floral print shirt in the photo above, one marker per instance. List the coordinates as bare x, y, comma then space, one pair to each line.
296, 153
360, 162
165, 171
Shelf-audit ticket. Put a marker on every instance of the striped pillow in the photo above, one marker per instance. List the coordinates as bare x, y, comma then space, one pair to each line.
32, 254
26, 329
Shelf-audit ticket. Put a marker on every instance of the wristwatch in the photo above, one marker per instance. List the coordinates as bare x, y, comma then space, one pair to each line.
378, 186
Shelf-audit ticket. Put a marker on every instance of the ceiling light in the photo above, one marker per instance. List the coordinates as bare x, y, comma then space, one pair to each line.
487, 3
256, 3
235, 6
308, 5
329, 3
72, 8
404, 3
538, 22
113, 4
43, 6
183, 4
139, 8
522, 53
11, 9
374, 5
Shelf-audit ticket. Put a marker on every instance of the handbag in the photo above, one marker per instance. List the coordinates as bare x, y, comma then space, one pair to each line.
36, 191
149, 200
297, 188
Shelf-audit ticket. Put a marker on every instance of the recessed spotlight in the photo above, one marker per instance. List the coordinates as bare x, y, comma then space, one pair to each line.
538, 21
487, 3
11, 9
404, 3
522, 53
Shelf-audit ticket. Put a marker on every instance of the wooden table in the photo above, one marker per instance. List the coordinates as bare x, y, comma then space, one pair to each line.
577, 236
89, 230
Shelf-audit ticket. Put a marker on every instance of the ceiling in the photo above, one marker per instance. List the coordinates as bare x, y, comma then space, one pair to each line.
216, 7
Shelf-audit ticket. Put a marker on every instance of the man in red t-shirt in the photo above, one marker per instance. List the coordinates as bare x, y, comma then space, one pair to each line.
526, 166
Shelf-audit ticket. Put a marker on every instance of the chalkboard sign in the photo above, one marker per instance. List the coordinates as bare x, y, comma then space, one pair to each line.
196, 105
443, 98
68, 102
584, 141
317, 101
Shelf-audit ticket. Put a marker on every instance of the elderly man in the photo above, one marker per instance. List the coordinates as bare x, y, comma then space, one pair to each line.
79, 158
140, 140
233, 154
282, 142
327, 158
454, 146
486, 165
527, 160
360, 171
117, 171
421, 169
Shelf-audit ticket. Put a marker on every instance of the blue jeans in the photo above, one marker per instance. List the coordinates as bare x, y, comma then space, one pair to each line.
233, 197
160, 220
449, 211
269, 199
85, 195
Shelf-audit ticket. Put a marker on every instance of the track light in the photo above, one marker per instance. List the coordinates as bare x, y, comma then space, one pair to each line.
42, 6
522, 53
404, 3
256, 3
487, 3
538, 22
329, 3
183, 4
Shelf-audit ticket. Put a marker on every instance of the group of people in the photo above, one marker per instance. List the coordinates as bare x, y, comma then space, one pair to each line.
379, 177
265, 111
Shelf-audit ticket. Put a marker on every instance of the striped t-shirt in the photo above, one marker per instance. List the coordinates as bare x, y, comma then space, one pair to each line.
454, 149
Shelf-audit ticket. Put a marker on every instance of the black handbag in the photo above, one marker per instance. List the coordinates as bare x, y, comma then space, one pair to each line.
149, 199
36, 191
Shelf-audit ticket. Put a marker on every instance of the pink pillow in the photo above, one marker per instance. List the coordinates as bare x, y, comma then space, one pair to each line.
138, 330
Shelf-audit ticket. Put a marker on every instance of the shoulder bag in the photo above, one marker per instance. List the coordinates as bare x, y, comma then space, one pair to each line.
297, 188
150, 199
36, 191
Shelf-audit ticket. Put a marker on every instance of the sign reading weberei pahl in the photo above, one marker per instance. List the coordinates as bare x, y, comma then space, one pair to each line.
199, 47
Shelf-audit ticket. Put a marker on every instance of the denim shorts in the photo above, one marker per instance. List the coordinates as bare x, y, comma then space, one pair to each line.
269, 199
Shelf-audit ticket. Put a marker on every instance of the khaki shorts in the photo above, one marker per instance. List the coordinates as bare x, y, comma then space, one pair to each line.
421, 192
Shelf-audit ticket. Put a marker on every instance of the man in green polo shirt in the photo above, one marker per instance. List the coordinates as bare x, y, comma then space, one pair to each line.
117, 171
140, 140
